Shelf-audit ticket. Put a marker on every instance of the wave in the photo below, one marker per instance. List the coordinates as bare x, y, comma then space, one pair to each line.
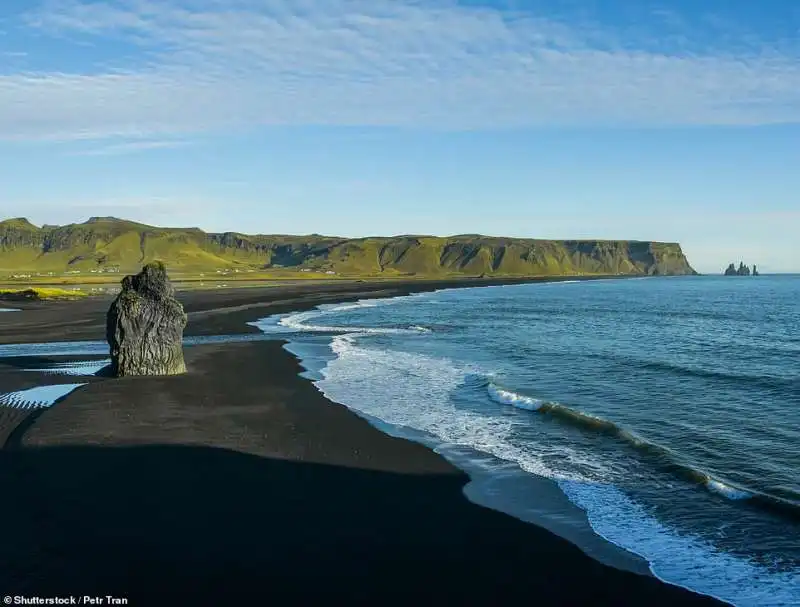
360, 304
664, 456
763, 381
562, 412
728, 491
374, 302
414, 391
410, 395
596, 309
299, 322
506, 397
680, 558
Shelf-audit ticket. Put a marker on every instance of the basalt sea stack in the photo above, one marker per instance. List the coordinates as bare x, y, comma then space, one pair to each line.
144, 325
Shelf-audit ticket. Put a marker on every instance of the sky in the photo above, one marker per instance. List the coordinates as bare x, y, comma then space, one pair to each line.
671, 120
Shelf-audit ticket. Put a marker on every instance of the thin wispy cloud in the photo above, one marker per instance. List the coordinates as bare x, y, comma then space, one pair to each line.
131, 147
213, 66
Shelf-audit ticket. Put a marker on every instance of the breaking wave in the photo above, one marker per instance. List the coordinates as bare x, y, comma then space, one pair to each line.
679, 558
506, 397
663, 456
651, 493
412, 392
300, 322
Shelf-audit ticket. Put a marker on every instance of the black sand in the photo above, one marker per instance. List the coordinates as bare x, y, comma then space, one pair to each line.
240, 482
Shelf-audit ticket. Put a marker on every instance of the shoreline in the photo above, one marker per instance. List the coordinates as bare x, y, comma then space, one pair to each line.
195, 412
206, 317
554, 511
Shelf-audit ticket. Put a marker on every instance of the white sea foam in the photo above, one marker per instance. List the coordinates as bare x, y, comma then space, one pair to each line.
520, 401
300, 322
360, 304
414, 391
732, 493
35, 398
506, 397
272, 324
681, 559
372, 302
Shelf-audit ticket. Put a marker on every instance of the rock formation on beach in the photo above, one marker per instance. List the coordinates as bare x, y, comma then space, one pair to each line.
743, 270
144, 325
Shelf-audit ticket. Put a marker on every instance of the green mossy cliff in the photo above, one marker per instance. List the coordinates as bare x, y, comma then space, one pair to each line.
104, 243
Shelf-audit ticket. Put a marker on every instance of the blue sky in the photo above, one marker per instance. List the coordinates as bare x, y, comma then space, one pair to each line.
676, 120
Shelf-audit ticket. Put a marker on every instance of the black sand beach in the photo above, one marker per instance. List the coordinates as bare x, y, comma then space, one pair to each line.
240, 482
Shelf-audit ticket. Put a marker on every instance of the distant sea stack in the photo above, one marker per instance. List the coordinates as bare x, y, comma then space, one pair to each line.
144, 325
742, 270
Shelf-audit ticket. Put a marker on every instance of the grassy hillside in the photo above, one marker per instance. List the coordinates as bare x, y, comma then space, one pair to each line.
107, 244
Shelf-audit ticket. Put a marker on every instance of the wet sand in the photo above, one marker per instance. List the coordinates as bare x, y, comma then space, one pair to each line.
240, 482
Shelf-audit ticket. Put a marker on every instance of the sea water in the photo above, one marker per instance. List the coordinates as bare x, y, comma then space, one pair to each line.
38, 397
666, 411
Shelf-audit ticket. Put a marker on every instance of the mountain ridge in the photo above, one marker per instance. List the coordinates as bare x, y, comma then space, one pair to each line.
103, 243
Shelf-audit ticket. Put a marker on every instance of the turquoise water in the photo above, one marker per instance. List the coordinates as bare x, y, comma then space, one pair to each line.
666, 409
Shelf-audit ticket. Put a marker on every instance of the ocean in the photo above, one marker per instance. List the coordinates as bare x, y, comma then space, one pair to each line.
657, 416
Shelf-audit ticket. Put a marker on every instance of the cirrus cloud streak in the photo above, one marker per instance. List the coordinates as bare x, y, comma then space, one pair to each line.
211, 66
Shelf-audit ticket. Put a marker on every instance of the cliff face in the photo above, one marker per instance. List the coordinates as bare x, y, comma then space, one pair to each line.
108, 243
